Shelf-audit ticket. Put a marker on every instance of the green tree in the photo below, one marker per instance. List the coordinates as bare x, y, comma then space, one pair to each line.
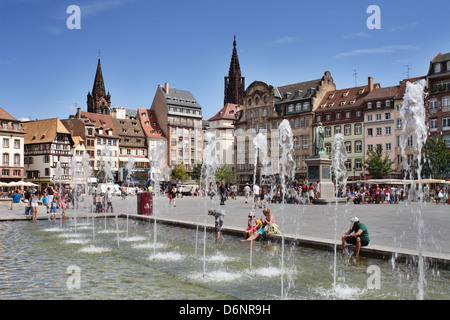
377, 165
435, 158
179, 173
227, 174
197, 172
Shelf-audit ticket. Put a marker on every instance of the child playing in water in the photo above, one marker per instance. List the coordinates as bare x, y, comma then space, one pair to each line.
253, 225
218, 221
53, 207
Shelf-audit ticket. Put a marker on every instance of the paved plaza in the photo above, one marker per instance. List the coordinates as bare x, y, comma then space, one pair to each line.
392, 227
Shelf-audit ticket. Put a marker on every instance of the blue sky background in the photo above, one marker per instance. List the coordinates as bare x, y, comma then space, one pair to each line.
45, 68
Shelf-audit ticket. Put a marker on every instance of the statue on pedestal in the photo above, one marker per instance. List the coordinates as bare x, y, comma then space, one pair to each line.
319, 145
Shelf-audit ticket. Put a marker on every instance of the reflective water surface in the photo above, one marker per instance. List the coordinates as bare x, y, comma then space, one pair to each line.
35, 259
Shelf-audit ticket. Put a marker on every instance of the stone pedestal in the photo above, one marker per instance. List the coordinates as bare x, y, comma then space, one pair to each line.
319, 170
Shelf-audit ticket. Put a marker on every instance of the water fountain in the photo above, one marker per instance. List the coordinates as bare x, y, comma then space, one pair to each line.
414, 127
287, 173
208, 175
339, 158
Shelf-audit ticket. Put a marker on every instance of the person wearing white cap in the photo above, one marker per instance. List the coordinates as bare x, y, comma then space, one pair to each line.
357, 235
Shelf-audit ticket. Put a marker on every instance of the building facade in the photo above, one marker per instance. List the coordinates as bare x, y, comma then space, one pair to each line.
221, 125
438, 99
132, 145
179, 116
11, 148
341, 112
48, 152
265, 107
380, 121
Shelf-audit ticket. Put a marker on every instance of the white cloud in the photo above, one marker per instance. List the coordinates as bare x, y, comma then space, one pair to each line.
381, 50
283, 40
93, 7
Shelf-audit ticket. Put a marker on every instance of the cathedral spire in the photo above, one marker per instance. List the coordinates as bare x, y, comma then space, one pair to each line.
99, 85
234, 83
99, 101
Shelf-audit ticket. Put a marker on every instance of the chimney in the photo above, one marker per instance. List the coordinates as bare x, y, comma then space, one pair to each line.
166, 87
370, 84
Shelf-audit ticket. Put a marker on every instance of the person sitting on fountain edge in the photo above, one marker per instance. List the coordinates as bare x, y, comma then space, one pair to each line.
358, 235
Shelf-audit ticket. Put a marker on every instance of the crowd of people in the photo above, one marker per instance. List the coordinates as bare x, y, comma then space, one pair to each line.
51, 198
393, 194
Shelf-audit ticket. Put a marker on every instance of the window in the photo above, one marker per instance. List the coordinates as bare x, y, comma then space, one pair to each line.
437, 67
5, 125
6, 159
328, 117
388, 147
378, 116
370, 132
328, 132
5, 143
399, 124
432, 105
387, 115
348, 130
387, 131
348, 147
369, 118
338, 116
446, 123
348, 114
378, 104
445, 103
358, 164
17, 159
358, 128
358, 113
348, 165
337, 129
433, 124
369, 105
318, 118
379, 131
358, 146
387, 103
16, 144
370, 147
446, 139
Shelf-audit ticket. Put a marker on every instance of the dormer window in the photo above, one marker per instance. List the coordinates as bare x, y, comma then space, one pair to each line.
437, 67
331, 96
378, 104
361, 91
345, 94
369, 105
388, 103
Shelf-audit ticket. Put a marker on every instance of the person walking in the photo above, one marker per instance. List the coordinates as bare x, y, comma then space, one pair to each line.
223, 194
256, 195
247, 192
109, 198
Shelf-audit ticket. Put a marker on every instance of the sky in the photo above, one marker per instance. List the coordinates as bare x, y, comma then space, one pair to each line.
47, 69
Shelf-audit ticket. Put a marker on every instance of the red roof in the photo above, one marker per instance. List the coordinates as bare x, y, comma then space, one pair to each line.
150, 123
101, 121
227, 112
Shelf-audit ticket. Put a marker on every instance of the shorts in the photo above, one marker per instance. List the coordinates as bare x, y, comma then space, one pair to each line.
34, 205
352, 240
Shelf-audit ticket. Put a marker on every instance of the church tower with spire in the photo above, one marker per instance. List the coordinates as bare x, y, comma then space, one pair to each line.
234, 83
99, 101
